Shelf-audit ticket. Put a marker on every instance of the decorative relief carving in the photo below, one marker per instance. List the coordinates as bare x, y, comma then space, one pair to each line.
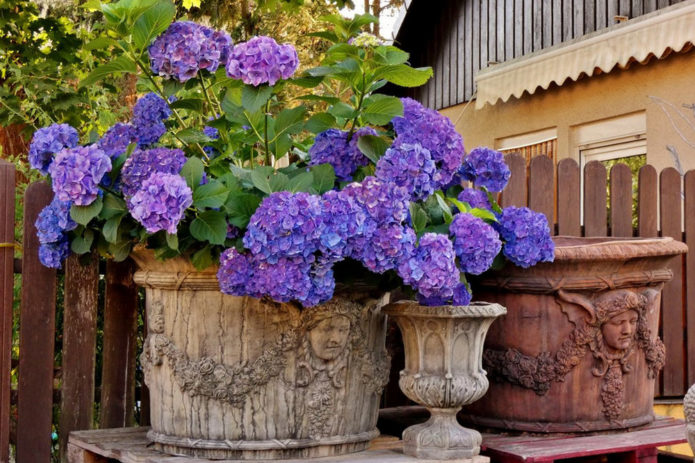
611, 326
689, 411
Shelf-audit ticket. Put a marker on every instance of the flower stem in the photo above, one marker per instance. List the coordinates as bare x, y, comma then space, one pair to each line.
265, 135
360, 100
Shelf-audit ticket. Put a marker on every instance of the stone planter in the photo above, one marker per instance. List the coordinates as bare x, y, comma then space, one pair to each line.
443, 353
578, 349
242, 378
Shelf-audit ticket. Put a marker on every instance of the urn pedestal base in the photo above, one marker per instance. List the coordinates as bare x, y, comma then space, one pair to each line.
441, 437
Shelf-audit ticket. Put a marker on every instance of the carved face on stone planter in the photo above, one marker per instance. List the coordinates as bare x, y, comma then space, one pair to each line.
329, 337
619, 331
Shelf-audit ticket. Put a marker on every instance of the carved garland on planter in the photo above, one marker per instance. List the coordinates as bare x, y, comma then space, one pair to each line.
588, 315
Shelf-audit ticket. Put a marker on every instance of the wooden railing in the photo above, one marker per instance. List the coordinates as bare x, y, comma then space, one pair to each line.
553, 190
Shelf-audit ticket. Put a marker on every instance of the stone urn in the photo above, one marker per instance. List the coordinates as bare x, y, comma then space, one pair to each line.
578, 349
689, 411
443, 372
242, 378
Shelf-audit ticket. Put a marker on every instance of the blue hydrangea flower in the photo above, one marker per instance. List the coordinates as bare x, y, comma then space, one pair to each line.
292, 279
54, 221
143, 163
261, 60
160, 202
344, 220
431, 269
149, 113
186, 48
410, 166
234, 272
384, 202
332, 147
213, 133
52, 254
485, 167
526, 235
475, 198
383, 249
285, 225
116, 140
47, 141
476, 243
434, 132
77, 172
462, 296
322, 285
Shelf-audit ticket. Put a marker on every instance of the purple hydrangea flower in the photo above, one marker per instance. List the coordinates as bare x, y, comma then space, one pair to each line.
47, 141
475, 198
384, 202
410, 166
186, 48
149, 113
476, 243
344, 220
234, 273
116, 140
434, 132
485, 167
143, 163
383, 250
285, 225
77, 172
292, 279
431, 269
261, 60
52, 254
462, 296
53, 221
333, 147
160, 202
526, 235
213, 133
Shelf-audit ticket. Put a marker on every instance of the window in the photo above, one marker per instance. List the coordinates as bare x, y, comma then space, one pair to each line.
530, 145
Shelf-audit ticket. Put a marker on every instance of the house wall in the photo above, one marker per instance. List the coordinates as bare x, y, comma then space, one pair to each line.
659, 89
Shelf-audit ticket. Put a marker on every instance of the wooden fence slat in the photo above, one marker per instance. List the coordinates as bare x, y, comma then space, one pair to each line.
689, 219
595, 199
515, 192
568, 194
79, 346
646, 202
36, 339
120, 331
621, 200
672, 298
7, 190
541, 187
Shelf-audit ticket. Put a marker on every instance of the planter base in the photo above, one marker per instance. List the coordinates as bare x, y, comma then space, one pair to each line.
441, 438
545, 427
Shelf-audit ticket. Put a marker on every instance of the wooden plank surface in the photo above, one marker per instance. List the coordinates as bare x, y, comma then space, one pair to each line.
79, 345
7, 193
568, 194
595, 199
120, 332
621, 200
527, 26
647, 197
689, 220
36, 339
541, 186
672, 310
515, 193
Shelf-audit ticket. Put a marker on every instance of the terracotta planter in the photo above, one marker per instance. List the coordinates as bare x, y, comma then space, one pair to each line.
578, 349
443, 353
242, 378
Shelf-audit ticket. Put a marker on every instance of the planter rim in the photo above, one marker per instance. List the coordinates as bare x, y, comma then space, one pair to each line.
473, 310
581, 249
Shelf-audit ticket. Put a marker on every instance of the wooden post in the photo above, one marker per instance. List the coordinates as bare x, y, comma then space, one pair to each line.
120, 325
689, 216
568, 194
79, 346
7, 192
541, 188
621, 200
595, 199
36, 339
516, 191
646, 203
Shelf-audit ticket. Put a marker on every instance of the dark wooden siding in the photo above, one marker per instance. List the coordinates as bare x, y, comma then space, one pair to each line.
459, 37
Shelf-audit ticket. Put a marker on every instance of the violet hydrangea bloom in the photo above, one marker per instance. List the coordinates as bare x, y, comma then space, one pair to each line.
332, 146
475, 198
143, 163
77, 172
149, 113
410, 166
485, 167
431, 269
344, 220
292, 279
47, 141
52, 254
383, 250
384, 202
234, 272
261, 60
476, 243
434, 132
526, 235
186, 48
54, 221
160, 202
116, 140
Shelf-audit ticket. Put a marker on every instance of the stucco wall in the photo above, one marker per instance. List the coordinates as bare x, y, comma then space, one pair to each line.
659, 88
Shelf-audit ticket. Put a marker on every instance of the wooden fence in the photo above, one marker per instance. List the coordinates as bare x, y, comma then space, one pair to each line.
552, 190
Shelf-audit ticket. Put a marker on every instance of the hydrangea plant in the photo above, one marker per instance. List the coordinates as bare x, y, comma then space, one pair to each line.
221, 163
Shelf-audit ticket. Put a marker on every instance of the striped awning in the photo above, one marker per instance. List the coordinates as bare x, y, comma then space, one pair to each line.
638, 40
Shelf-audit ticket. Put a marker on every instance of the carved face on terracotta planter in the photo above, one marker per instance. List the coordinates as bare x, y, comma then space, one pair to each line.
619, 331
329, 336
